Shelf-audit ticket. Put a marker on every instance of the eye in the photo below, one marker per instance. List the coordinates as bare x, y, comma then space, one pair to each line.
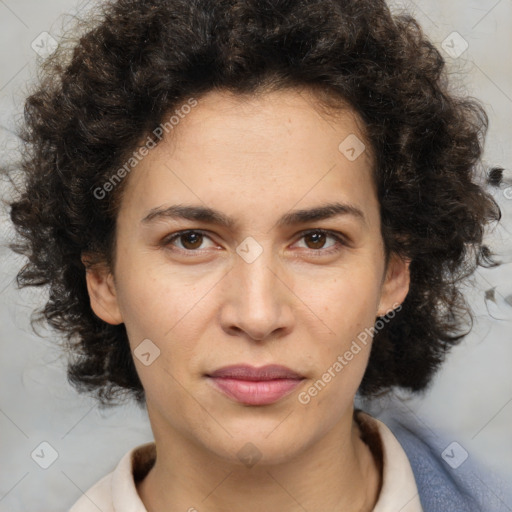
315, 240
190, 240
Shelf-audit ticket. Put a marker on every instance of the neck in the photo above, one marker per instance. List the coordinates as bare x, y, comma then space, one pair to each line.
337, 473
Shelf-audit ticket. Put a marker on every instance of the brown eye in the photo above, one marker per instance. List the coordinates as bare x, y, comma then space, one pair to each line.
189, 241
317, 239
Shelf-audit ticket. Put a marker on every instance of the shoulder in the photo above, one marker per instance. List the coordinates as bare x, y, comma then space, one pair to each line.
117, 490
98, 496
448, 479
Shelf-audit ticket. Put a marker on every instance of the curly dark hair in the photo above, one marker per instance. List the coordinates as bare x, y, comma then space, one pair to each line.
141, 59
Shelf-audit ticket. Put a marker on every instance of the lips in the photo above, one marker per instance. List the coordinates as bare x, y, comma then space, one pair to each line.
247, 372
255, 386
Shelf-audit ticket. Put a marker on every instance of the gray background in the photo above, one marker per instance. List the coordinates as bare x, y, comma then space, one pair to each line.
470, 401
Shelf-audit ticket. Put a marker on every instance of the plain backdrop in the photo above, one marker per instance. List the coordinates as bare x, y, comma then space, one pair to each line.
470, 401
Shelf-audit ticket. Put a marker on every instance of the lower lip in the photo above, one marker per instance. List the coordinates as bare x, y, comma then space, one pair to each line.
255, 392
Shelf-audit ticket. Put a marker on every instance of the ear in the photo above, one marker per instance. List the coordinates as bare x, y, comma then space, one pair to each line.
102, 292
395, 286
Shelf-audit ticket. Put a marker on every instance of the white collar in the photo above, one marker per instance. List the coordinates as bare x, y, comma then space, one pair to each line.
117, 492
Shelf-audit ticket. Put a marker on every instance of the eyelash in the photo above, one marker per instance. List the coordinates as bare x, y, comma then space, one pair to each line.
340, 239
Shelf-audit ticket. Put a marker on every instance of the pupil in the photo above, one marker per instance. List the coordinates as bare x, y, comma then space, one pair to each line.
191, 236
192, 239
319, 238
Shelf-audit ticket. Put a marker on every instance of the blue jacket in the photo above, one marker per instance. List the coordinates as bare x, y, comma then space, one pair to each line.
469, 487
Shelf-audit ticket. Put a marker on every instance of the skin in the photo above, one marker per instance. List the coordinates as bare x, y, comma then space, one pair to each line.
300, 303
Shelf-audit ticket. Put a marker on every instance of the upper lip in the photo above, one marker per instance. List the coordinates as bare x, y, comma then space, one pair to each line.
251, 373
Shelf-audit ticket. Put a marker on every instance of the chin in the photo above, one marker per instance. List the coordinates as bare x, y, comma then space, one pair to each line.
255, 447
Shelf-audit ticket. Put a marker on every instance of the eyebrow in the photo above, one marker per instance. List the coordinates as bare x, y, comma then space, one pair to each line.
211, 216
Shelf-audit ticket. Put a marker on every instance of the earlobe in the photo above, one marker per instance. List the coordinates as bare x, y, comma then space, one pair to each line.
102, 293
396, 285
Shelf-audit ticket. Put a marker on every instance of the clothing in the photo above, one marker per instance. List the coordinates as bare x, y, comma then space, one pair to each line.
445, 487
117, 492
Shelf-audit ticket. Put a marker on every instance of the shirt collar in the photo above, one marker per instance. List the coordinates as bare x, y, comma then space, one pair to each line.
398, 491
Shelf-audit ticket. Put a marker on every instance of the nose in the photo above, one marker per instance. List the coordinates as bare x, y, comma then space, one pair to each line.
258, 302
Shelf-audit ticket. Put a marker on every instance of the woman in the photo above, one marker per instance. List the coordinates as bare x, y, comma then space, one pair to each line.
247, 212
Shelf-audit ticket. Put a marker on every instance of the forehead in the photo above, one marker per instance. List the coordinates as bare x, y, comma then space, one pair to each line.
273, 149
252, 121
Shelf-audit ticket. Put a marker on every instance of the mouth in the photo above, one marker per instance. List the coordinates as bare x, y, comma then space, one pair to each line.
255, 386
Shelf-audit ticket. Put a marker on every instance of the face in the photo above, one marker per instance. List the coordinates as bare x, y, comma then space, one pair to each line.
271, 286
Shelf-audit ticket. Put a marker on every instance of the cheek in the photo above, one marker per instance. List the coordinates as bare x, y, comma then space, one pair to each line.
347, 302
168, 311
161, 318
347, 311
155, 302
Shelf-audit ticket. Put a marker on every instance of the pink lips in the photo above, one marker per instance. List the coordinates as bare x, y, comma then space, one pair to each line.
256, 386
